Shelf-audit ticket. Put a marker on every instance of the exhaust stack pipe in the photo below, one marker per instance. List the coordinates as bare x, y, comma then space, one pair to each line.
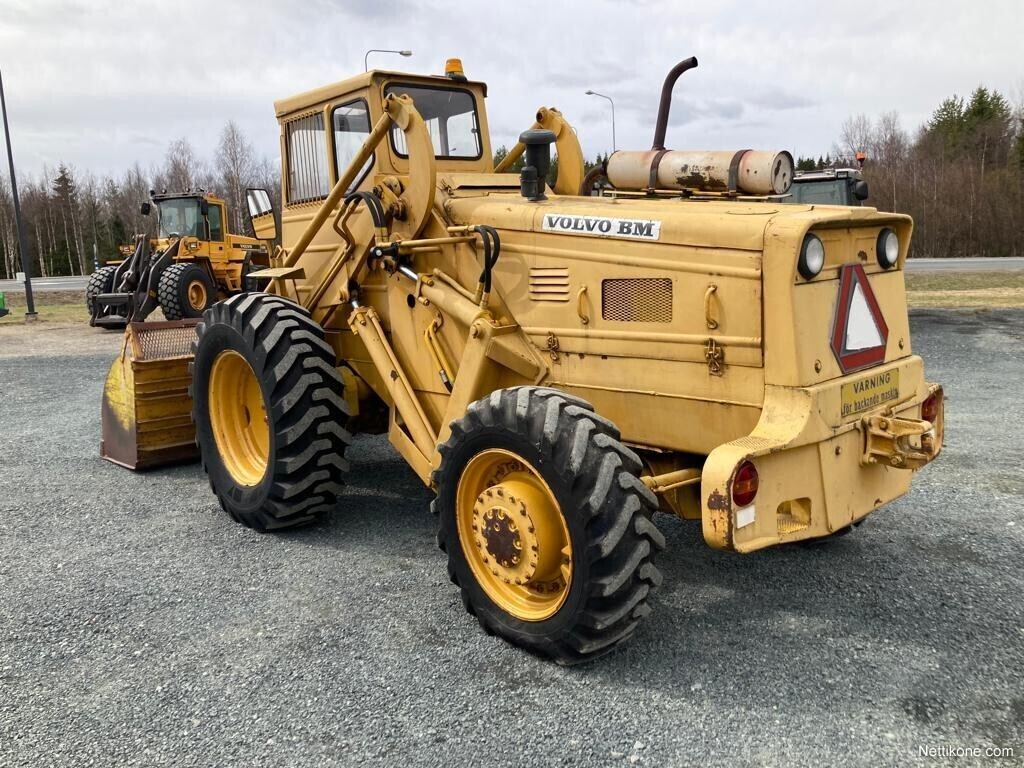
745, 171
666, 100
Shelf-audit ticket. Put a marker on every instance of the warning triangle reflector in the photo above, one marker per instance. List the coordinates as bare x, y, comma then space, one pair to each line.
859, 332
861, 329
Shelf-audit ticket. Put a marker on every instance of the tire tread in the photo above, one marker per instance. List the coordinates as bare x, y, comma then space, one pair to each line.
307, 408
621, 540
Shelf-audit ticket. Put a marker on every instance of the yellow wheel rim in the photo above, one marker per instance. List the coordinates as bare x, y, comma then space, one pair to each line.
197, 295
238, 418
514, 535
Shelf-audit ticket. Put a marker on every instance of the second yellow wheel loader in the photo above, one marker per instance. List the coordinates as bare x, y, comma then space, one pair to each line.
558, 367
193, 262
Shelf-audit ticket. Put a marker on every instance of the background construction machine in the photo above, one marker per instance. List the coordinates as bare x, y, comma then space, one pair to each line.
557, 367
192, 262
829, 186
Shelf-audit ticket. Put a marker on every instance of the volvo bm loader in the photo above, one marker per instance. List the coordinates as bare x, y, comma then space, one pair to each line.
192, 262
557, 367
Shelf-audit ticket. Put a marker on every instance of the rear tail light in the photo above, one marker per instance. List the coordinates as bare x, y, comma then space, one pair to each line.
744, 484
930, 407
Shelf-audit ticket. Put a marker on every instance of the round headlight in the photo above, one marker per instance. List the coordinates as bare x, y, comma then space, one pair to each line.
812, 257
887, 248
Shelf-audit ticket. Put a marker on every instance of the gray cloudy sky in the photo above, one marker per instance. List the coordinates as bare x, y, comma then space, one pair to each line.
102, 84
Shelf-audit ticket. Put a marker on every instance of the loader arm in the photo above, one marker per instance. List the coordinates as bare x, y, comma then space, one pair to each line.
134, 294
361, 219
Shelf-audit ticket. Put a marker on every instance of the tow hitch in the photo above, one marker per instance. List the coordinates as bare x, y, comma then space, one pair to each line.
898, 442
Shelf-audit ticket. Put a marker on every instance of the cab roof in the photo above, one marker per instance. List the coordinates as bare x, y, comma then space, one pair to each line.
158, 197
307, 99
827, 174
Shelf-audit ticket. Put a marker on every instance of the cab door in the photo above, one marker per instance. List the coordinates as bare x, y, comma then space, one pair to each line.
218, 246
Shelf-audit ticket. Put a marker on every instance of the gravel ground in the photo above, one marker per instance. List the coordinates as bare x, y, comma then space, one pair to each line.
140, 626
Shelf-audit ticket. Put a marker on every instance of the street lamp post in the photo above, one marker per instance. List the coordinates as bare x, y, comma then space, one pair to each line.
30, 306
595, 93
366, 62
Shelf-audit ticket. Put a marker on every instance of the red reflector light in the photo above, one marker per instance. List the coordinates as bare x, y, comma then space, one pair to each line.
744, 484
930, 406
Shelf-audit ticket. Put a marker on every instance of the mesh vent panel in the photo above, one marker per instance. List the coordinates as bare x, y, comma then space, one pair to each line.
161, 343
637, 300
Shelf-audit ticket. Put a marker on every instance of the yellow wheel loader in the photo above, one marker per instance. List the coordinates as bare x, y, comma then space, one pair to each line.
555, 366
193, 262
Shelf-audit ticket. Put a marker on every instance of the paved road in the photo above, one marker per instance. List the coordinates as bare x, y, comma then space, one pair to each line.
140, 626
43, 284
963, 265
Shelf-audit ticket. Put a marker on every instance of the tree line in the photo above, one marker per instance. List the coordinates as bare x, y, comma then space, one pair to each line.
71, 217
960, 175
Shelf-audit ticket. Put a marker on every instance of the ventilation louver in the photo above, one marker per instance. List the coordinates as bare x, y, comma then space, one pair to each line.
549, 284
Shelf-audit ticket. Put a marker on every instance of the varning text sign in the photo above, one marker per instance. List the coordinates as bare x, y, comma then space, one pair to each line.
869, 392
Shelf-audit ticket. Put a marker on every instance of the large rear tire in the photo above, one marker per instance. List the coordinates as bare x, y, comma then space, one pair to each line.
268, 407
545, 523
185, 290
100, 281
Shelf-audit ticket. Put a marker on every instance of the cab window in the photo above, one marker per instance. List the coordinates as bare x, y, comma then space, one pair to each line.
450, 115
216, 223
351, 125
179, 217
305, 139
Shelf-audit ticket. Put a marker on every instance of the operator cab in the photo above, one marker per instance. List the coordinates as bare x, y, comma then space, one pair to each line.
322, 130
830, 186
187, 216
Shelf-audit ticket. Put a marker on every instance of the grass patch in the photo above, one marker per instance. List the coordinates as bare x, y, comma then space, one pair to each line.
966, 289
51, 306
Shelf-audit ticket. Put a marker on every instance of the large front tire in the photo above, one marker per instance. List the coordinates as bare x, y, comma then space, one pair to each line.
185, 290
100, 281
268, 407
545, 523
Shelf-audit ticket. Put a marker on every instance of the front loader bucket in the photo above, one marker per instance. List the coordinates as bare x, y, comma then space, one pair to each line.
147, 411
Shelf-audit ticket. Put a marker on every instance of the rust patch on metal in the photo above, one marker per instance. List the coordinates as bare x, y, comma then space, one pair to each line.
696, 180
718, 501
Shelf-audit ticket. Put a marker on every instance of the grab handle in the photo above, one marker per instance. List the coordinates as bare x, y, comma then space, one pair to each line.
709, 296
581, 309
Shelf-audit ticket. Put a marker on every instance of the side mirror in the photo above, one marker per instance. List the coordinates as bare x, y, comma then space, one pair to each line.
261, 214
145, 209
860, 190
204, 206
